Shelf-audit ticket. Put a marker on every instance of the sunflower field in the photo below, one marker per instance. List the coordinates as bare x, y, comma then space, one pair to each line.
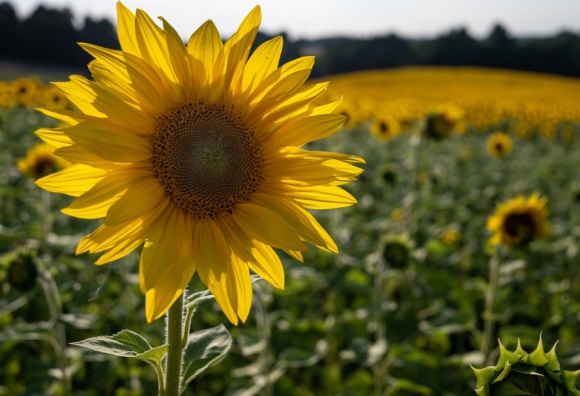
463, 246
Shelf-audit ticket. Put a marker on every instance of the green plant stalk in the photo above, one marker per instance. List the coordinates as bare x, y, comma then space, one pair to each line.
415, 204
263, 327
46, 219
381, 333
489, 320
174, 359
58, 332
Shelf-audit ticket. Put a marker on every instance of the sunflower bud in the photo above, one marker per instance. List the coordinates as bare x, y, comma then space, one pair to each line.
22, 270
520, 373
397, 250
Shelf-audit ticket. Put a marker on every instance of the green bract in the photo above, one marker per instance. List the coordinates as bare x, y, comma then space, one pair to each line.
518, 373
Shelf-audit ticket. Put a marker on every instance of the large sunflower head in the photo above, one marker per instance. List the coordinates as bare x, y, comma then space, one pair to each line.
499, 145
519, 221
196, 152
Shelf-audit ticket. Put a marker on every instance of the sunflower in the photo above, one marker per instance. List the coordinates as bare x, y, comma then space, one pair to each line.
196, 152
385, 127
40, 161
53, 97
519, 221
442, 122
499, 145
26, 91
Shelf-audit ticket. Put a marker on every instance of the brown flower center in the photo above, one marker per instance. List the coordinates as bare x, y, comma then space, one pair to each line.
206, 158
520, 226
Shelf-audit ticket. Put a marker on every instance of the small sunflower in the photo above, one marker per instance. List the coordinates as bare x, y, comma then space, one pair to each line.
519, 221
53, 97
442, 122
40, 161
196, 152
499, 145
26, 91
385, 127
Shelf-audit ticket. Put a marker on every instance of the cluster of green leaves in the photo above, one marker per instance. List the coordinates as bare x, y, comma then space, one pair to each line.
346, 324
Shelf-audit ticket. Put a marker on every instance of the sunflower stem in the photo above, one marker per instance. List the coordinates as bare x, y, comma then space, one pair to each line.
488, 316
58, 333
176, 346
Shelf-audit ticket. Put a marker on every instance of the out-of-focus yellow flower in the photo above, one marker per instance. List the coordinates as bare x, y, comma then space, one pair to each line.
26, 91
385, 127
442, 122
449, 237
519, 221
53, 97
40, 161
499, 145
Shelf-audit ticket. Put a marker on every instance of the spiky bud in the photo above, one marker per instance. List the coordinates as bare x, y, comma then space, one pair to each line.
519, 373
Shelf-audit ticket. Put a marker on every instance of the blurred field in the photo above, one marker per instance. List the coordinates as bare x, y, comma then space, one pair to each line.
399, 311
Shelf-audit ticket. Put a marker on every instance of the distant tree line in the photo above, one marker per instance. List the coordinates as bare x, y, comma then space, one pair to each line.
49, 36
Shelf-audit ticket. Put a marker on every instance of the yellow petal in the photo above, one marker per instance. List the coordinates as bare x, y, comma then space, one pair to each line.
239, 275
153, 46
170, 284
162, 248
267, 226
126, 30
67, 116
267, 264
238, 48
110, 143
76, 154
303, 223
96, 202
212, 257
321, 197
263, 61
95, 100
74, 180
54, 136
297, 132
130, 78
203, 46
132, 204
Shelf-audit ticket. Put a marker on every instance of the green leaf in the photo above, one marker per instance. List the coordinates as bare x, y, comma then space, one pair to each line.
295, 358
154, 355
205, 349
126, 343
197, 298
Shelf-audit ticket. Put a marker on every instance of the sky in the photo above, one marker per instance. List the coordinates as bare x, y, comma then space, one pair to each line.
310, 19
